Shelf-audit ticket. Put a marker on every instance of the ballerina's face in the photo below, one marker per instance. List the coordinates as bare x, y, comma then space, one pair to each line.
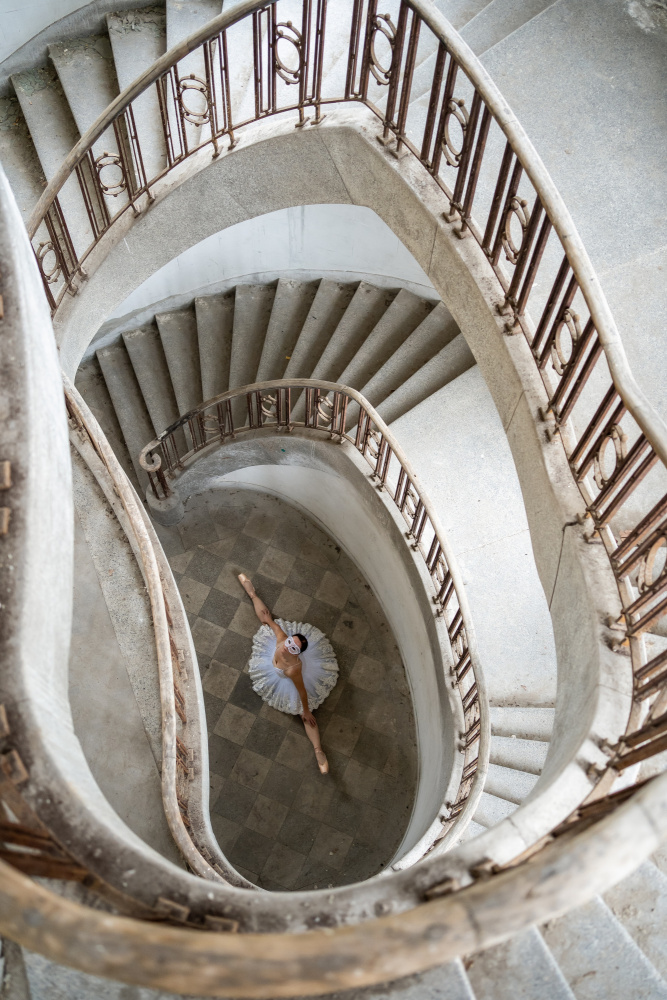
292, 645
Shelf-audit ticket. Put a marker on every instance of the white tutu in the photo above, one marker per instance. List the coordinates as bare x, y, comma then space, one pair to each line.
319, 668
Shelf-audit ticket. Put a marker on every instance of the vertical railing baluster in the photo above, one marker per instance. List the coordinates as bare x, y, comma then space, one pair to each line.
531, 272
444, 113
320, 32
353, 54
408, 75
394, 74
433, 105
550, 305
466, 151
497, 198
526, 246
366, 58
471, 189
515, 179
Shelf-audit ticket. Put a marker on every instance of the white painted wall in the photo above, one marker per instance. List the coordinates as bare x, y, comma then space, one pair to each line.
334, 239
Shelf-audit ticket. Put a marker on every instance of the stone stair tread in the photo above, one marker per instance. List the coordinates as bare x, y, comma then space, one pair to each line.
18, 157
522, 968
215, 324
492, 809
639, 902
91, 384
252, 313
128, 402
522, 755
524, 723
331, 300
367, 306
403, 316
290, 309
599, 958
436, 331
184, 18
86, 70
178, 333
53, 132
138, 38
471, 831
453, 360
509, 783
498, 20
459, 12
144, 348
445, 981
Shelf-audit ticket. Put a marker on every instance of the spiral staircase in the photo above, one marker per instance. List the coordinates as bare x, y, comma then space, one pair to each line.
540, 870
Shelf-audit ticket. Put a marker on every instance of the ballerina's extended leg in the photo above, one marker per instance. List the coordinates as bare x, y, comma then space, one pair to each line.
260, 607
313, 734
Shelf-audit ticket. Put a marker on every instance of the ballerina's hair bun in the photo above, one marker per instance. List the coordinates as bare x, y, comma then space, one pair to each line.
302, 639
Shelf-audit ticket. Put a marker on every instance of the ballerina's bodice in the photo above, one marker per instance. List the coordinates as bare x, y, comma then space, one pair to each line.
319, 669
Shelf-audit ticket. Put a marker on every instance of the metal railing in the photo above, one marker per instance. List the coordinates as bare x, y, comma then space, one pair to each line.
434, 101
182, 771
239, 413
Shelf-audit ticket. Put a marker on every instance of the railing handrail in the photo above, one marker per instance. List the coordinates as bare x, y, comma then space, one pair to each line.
148, 462
638, 404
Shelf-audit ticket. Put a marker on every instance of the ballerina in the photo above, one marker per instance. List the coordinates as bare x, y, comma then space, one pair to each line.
292, 667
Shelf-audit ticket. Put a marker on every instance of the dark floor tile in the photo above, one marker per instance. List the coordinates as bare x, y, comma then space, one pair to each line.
346, 658
323, 616
169, 539
372, 749
203, 663
251, 876
234, 650
298, 832
288, 537
377, 831
362, 861
226, 831
248, 553
197, 531
391, 794
354, 703
251, 850
222, 755
244, 697
344, 813
305, 577
205, 567
270, 884
219, 608
316, 875
283, 866
213, 707
264, 737
268, 590
282, 784
337, 764
230, 518
235, 802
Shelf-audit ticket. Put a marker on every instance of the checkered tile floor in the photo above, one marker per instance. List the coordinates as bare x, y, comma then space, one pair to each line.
279, 821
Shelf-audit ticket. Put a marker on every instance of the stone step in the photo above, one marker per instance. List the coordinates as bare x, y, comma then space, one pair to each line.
252, 312
128, 401
522, 755
598, 957
178, 333
18, 157
53, 132
492, 809
86, 70
91, 384
138, 38
508, 783
182, 20
291, 307
328, 308
403, 316
144, 348
471, 831
639, 902
453, 360
498, 20
459, 12
368, 305
436, 331
525, 723
522, 968
215, 324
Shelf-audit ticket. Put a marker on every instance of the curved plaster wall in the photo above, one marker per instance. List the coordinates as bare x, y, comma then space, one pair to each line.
276, 166
332, 486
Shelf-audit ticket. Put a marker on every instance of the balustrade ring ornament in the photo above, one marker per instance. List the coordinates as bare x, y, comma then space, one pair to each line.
268, 404
382, 25
647, 577
111, 160
50, 277
518, 209
560, 354
325, 407
618, 439
455, 109
199, 86
286, 32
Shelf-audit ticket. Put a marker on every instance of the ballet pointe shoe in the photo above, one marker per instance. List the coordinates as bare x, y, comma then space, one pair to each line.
322, 761
246, 583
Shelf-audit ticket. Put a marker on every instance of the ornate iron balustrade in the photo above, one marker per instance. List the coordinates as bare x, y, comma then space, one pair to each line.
182, 771
495, 191
269, 405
